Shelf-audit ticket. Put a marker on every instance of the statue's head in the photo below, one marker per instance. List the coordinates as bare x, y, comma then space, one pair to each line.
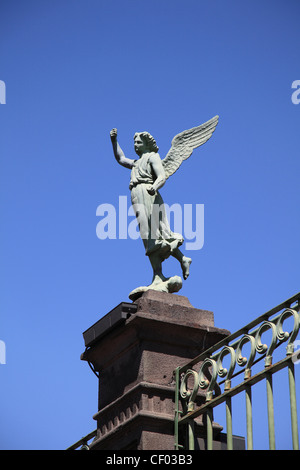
144, 142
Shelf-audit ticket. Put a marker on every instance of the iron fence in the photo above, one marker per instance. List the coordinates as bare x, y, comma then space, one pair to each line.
83, 443
242, 351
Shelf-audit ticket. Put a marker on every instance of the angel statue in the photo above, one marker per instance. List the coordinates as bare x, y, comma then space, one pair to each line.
148, 174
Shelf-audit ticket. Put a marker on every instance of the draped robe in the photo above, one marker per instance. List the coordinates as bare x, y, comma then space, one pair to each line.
150, 211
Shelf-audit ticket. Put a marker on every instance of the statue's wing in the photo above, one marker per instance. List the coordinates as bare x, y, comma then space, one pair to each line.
184, 143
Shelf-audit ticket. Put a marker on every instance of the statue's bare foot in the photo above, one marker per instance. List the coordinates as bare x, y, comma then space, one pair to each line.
185, 265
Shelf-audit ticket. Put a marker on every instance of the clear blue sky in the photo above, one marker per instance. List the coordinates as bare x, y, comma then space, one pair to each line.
73, 70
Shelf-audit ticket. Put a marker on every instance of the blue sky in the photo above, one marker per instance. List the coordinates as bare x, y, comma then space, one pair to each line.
73, 70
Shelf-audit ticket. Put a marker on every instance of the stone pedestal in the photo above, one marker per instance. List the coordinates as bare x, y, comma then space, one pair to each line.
135, 349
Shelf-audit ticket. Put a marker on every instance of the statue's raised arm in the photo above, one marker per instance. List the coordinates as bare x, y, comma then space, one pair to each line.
118, 152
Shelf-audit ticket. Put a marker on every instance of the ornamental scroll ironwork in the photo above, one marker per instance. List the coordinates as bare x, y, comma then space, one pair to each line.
211, 368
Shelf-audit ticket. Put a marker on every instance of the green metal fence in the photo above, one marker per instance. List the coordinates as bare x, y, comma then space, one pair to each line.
243, 352
83, 443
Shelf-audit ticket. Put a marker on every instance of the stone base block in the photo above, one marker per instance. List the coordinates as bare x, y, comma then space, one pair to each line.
135, 359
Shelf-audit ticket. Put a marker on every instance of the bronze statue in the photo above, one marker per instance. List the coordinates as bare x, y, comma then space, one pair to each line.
148, 174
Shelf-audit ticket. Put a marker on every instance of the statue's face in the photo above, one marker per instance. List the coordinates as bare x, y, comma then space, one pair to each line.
139, 145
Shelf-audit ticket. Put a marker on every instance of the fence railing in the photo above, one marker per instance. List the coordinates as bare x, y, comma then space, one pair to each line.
230, 368
83, 443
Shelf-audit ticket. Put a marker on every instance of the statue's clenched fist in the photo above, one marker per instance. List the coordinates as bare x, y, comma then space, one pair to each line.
113, 134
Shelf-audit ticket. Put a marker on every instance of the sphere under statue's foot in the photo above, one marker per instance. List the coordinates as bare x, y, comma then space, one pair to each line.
172, 284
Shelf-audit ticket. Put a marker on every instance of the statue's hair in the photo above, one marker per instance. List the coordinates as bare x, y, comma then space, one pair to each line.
149, 140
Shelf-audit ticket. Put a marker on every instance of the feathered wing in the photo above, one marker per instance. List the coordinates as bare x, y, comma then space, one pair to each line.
184, 143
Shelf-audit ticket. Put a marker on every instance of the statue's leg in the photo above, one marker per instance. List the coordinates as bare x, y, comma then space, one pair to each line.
156, 262
184, 261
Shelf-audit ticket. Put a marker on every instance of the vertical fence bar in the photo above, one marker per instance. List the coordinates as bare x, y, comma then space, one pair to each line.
176, 430
270, 404
229, 424
191, 437
293, 405
209, 428
249, 418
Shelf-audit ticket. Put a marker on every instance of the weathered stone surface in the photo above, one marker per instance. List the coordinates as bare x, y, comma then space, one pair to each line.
174, 307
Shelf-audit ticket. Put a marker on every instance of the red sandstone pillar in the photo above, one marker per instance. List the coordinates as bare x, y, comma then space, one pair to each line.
135, 349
